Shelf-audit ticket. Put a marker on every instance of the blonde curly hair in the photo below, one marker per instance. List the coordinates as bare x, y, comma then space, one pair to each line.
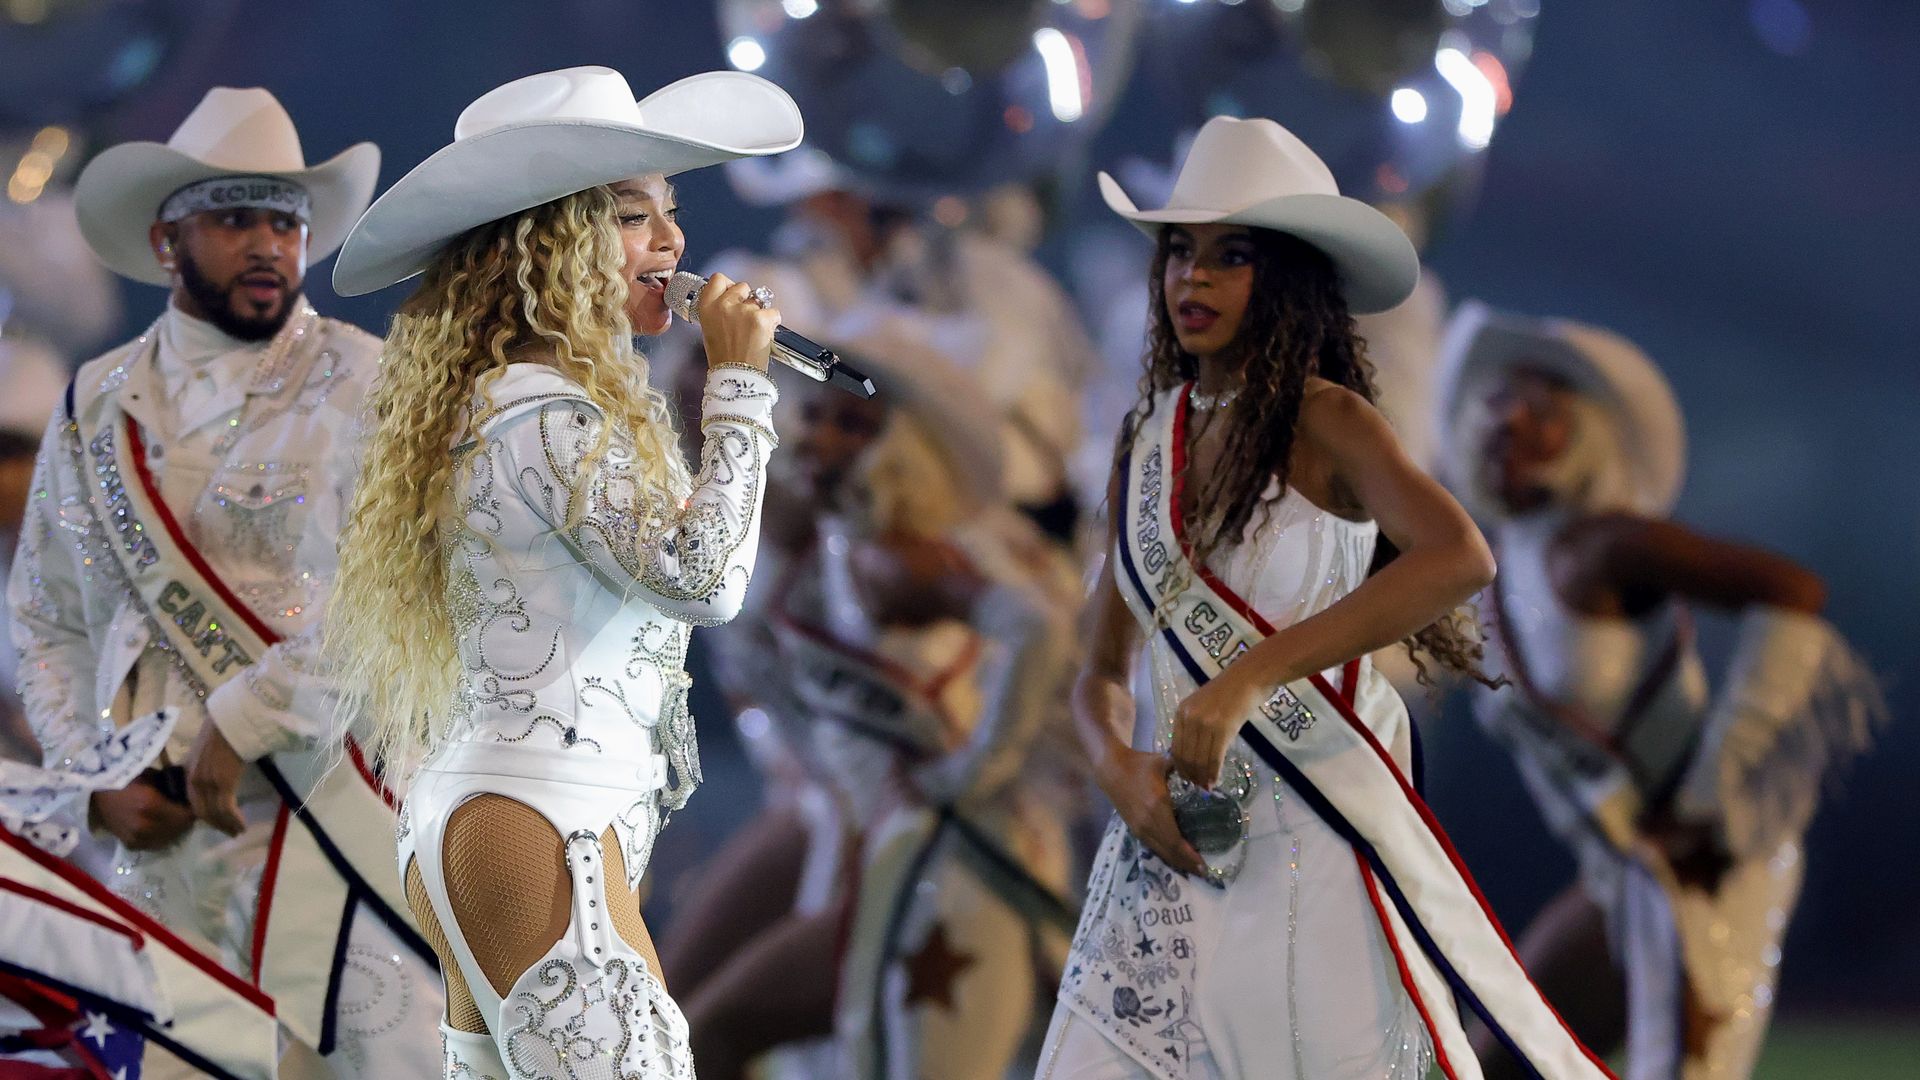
548, 282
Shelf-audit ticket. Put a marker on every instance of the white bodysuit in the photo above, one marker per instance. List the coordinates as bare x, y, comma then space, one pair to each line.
1284, 973
572, 597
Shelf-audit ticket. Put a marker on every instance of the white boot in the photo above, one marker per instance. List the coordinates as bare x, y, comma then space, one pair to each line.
470, 1055
591, 1007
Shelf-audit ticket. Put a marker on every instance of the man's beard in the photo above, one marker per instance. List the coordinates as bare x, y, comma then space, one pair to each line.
222, 310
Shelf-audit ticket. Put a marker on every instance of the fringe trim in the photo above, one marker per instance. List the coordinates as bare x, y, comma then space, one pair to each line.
1835, 724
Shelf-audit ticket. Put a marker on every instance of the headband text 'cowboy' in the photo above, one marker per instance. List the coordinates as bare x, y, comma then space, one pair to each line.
238, 193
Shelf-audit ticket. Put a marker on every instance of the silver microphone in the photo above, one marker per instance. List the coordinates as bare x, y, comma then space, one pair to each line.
816, 362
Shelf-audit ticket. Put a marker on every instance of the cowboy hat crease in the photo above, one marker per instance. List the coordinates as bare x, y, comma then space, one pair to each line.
1482, 344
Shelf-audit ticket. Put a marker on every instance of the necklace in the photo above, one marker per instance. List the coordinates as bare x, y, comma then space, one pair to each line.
1210, 402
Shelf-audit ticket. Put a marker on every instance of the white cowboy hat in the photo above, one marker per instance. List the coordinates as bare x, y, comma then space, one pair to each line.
899, 349
1257, 173
1482, 344
230, 133
548, 136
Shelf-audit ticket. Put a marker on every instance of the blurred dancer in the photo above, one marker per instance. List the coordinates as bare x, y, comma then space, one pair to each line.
1273, 898
174, 564
527, 552
1684, 809
845, 248
911, 646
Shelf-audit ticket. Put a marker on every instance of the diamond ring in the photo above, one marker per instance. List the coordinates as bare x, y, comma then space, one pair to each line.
762, 296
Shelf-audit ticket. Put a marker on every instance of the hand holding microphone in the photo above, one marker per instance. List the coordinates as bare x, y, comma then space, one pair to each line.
755, 331
736, 328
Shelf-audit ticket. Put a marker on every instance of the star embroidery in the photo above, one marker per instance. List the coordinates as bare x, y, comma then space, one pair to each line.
1144, 946
120, 1073
932, 971
97, 1029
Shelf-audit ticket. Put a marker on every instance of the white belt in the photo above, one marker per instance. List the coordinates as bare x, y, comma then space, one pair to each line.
648, 773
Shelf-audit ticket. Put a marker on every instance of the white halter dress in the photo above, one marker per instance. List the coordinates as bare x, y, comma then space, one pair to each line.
1285, 973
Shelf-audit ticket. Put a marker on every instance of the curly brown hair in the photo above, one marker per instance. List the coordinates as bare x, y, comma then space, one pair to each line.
1296, 325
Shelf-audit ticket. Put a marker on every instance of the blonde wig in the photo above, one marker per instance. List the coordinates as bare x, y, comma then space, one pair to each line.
547, 283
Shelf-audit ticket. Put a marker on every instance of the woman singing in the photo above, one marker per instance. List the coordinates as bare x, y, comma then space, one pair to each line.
527, 552
1274, 899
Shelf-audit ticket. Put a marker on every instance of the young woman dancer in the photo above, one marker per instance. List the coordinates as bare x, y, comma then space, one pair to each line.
526, 550
914, 640
1685, 810
1273, 899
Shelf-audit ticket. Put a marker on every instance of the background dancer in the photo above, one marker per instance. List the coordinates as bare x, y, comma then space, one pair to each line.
1258, 456
1686, 810
174, 565
910, 648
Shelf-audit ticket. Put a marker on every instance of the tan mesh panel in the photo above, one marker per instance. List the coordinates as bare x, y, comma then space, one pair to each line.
507, 880
462, 1013
624, 905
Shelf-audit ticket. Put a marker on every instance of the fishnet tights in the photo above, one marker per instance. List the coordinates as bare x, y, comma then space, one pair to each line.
506, 873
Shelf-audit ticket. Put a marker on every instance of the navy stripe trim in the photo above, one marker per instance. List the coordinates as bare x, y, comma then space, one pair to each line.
1277, 760
330, 1017
356, 885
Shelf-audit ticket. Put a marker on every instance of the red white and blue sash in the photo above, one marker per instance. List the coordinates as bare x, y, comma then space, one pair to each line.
1443, 933
68, 937
317, 876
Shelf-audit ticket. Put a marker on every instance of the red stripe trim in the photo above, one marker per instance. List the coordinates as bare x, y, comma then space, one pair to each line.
268, 877
42, 896
1453, 856
136, 444
167, 522
49, 1006
145, 923
1400, 961
58, 1014
359, 759
1345, 708
23, 1070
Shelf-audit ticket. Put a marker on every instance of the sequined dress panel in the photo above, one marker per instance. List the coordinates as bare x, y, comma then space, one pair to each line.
1284, 973
573, 596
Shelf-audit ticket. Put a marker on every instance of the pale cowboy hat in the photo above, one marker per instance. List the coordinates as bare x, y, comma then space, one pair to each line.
789, 178
901, 351
1482, 345
1257, 173
230, 133
547, 136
